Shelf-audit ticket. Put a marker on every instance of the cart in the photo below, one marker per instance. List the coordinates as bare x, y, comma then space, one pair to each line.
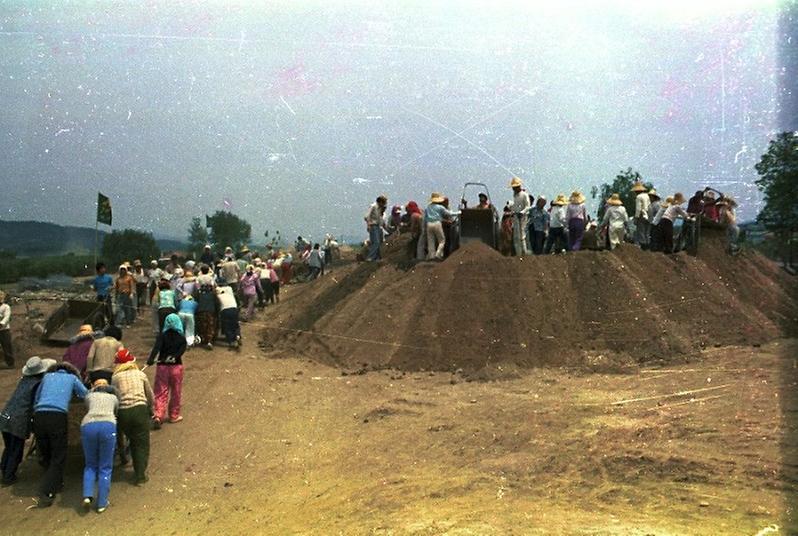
65, 322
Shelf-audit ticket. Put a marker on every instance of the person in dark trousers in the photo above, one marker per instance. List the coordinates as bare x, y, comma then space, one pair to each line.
135, 404
102, 285
15, 420
5, 331
50, 425
168, 354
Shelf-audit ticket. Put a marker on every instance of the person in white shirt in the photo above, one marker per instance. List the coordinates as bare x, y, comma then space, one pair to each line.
375, 223
672, 212
5, 331
520, 207
557, 226
228, 316
615, 218
642, 226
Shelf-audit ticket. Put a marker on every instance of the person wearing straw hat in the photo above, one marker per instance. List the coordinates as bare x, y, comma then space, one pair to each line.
434, 215
5, 331
642, 227
51, 425
79, 346
98, 436
520, 207
15, 420
375, 223
728, 217
670, 215
615, 219
557, 239
576, 216
135, 405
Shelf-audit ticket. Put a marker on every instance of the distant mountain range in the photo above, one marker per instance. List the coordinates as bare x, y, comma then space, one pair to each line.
27, 238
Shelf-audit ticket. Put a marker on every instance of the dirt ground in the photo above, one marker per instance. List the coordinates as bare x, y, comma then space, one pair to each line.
292, 446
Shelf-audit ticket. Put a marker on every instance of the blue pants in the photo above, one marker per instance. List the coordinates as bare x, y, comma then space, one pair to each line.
375, 239
99, 442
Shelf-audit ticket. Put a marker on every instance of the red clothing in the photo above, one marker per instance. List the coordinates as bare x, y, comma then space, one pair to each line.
168, 381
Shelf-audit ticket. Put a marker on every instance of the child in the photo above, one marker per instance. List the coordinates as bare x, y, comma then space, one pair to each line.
228, 316
168, 353
15, 421
188, 308
50, 425
5, 331
98, 435
135, 402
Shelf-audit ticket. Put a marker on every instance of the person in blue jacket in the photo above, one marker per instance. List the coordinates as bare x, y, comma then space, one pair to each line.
50, 409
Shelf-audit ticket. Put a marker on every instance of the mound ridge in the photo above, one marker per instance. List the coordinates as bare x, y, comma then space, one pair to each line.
479, 310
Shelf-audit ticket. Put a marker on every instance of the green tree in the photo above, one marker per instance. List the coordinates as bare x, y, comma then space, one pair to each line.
622, 185
778, 181
197, 237
128, 245
227, 229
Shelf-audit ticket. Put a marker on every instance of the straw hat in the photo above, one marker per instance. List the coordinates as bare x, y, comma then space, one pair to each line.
638, 187
560, 200
668, 201
516, 183
244, 250
615, 200
34, 366
577, 198
85, 329
436, 198
678, 199
653, 193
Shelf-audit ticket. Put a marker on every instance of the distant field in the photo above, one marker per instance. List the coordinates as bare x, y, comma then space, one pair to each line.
14, 269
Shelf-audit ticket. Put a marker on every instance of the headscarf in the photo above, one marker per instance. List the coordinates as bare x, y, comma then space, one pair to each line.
412, 208
174, 323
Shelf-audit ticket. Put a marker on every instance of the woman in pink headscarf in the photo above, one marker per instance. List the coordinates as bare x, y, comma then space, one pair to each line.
416, 228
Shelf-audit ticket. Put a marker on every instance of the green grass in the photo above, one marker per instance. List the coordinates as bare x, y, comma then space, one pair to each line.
14, 269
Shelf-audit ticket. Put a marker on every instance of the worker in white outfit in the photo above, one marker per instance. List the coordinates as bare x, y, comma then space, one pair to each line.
520, 207
642, 225
615, 218
434, 215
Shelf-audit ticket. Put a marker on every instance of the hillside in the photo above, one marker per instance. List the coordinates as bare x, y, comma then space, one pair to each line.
28, 238
490, 315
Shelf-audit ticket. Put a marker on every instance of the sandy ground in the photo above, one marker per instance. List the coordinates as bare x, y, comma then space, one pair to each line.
289, 446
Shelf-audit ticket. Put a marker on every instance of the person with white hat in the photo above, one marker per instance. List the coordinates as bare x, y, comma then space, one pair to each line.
5, 331
642, 227
15, 420
520, 208
434, 215
615, 219
557, 238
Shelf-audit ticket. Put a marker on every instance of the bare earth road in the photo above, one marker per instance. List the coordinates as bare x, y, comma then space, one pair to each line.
287, 446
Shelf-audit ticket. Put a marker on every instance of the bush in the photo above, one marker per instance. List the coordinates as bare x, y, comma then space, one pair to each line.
12, 270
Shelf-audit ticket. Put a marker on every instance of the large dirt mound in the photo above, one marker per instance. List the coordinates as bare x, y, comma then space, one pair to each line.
481, 311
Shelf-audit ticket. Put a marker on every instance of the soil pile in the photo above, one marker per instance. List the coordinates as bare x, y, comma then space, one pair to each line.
479, 311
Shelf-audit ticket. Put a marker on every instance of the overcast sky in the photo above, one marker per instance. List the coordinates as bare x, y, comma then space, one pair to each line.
298, 114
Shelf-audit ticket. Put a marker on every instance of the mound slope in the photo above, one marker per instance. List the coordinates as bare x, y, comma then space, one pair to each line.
479, 310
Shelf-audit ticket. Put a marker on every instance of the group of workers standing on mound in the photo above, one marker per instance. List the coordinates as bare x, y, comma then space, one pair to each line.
528, 225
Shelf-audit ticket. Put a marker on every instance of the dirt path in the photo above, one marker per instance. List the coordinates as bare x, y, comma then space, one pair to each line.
288, 446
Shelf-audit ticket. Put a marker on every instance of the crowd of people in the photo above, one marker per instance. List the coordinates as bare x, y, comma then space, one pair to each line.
530, 225
190, 304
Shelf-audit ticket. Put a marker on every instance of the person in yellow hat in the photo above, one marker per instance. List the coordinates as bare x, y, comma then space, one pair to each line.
557, 238
520, 207
615, 219
642, 226
576, 215
434, 215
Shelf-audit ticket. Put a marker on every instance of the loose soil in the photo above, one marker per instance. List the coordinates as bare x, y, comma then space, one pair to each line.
681, 421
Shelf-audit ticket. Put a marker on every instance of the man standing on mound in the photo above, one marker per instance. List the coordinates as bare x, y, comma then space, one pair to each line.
376, 223
642, 227
520, 208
